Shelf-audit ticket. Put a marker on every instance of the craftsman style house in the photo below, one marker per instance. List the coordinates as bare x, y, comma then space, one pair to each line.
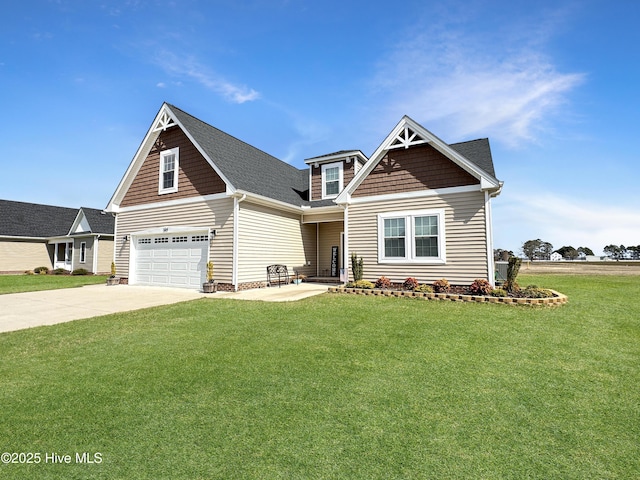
34, 235
417, 207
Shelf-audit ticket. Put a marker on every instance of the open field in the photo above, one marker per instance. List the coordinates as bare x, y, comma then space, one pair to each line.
581, 268
333, 387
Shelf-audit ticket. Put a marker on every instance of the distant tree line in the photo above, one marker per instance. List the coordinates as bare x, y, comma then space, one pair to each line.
541, 250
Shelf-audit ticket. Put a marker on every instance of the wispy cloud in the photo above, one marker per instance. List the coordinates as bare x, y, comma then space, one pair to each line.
189, 67
469, 85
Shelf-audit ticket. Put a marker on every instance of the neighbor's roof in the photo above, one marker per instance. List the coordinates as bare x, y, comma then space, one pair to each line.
33, 220
99, 221
20, 219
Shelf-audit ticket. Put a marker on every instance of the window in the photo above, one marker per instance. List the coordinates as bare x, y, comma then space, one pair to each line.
200, 238
161, 240
331, 180
411, 237
169, 165
83, 252
144, 240
182, 239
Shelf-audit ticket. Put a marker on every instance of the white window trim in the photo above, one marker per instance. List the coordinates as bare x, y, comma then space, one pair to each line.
410, 257
163, 154
83, 252
340, 166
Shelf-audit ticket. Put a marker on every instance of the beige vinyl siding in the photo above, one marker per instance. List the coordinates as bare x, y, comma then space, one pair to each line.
216, 214
465, 229
267, 236
329, 237
88, 258
323, 217
19, 256
105, 255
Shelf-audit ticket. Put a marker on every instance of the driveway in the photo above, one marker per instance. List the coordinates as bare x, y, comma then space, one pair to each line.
33, 309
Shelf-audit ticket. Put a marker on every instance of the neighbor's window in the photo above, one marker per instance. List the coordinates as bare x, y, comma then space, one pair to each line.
331, 180
83, 252
411, 237
169, 171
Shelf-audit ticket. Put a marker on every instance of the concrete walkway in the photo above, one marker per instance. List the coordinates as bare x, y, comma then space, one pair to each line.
33, 309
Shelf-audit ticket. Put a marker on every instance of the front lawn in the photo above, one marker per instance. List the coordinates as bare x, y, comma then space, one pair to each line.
33, 283
334, 386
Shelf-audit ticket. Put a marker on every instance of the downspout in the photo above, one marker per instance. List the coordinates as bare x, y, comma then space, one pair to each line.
236, 222
489, 229
345, 227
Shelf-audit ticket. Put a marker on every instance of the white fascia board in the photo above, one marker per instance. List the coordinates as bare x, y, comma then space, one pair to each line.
338, 156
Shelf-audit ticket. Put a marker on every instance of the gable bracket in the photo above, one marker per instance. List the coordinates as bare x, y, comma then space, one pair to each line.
165, 121
406, 138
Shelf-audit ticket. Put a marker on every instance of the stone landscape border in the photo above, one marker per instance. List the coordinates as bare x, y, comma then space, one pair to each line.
557, 299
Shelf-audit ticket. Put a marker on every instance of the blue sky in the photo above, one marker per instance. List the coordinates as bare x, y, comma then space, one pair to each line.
552, 84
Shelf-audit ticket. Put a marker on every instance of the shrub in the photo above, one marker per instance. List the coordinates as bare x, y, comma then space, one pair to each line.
41, 270
498, 292
357, 267
441, 286
367, 285
512, 273
480, 286
532, 291
59, 271
410, 283
383, 282
423, 289
80, 271
113, 269
28, 272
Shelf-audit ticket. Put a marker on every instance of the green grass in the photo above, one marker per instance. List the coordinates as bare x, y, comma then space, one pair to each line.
335, 387
33, 283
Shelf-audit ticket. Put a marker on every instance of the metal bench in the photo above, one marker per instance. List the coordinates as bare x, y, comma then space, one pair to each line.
277, 274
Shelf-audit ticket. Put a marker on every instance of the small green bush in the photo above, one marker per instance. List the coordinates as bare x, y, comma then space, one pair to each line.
410, 283
80, 271
363, 284
498, 292
423, 289
383, 282
28, 272
357, 267
41, 270
441, 286
480, 286
532, 291
59, 271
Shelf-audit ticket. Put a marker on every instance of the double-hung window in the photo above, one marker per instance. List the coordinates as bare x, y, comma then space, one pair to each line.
332, 178
416, 236
169, 165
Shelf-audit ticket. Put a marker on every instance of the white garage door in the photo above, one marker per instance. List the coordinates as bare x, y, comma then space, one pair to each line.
171, 260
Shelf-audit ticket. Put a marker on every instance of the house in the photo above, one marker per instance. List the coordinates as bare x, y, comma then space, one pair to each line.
417, 207
555, 257
34, 235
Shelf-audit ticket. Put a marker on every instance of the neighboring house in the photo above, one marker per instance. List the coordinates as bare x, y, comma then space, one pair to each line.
192, 193
34, 235
555, 257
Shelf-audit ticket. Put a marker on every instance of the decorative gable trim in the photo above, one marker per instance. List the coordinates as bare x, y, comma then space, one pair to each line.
165, 121
408, 133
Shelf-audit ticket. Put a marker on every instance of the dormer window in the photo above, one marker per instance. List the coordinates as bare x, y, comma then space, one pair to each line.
332, 179
169, 164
